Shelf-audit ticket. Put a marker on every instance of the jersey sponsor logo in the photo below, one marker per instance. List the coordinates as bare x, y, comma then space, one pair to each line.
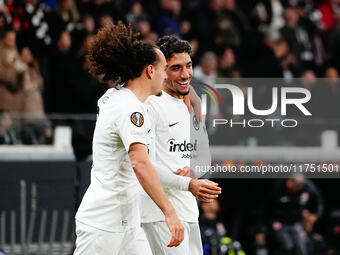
181, 147
173, 124
137, 119
195, 123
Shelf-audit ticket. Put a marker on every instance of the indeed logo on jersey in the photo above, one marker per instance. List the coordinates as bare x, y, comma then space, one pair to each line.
182, 147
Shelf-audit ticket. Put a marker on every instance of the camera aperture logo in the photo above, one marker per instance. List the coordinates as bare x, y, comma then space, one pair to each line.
288, 98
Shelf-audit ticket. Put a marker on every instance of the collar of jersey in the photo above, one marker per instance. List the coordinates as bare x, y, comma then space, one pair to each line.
171, 97
130, 92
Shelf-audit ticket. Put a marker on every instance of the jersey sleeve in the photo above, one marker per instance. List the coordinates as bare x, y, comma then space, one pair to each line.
168, 178
132, 125
171, 180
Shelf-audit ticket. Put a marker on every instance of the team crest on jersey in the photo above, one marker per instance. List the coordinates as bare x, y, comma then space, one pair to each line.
196, 124
137, 119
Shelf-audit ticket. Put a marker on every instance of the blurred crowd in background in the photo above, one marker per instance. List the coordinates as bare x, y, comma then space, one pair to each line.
272, 217
43, 64
44, 82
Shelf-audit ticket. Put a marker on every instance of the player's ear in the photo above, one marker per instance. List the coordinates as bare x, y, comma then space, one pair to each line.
149, 71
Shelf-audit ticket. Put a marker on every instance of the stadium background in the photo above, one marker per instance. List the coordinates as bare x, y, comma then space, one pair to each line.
48, 102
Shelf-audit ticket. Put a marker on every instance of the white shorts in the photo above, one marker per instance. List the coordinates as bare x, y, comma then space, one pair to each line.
158, 235
93, 241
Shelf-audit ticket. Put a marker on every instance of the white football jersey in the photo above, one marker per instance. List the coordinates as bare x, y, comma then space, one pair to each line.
174, 144
111, 202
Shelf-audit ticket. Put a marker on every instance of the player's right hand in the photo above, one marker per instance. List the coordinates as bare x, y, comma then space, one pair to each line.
176, 229
204, 190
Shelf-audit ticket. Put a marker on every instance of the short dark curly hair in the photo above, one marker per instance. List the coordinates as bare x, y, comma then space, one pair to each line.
171, 45
117, 55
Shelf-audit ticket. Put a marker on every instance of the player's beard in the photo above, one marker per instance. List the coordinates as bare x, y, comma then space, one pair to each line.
174, 89
183, 93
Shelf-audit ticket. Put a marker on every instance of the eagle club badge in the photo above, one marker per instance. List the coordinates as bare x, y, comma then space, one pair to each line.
137, 119
195, 123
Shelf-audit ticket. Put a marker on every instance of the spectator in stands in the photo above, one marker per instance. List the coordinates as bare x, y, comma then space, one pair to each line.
144, 27
8, 134
328, 10
292, 208
288, 66
88, 27
31, 21
83, 49
300, 36
227, 64
185, 29
100, 8
228, 34
195, 44
29, 18
5, 17
65, 18
11, 74
35, 127
105, 19
169, 23
52, 4
204, 24
135, 13
206, 71
238, 23
211, 226
33, 86
89, 24
3, 22
308, 79
269, 14
214, 232
59, 89
20, 17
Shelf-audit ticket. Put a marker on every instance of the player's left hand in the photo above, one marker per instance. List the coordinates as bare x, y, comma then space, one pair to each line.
184, 172
176, 229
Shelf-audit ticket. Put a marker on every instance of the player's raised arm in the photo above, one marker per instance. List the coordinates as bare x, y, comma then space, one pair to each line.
192, 99
150, 182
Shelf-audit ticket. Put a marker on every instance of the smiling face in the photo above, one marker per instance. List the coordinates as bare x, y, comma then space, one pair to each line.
179, 74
